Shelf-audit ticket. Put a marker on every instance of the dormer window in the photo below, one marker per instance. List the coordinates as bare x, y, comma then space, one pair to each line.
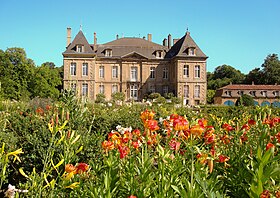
108, 52
240, 93
252, 93
276, 93
159, 54
228, 93
191, 51
264, 93
79, 48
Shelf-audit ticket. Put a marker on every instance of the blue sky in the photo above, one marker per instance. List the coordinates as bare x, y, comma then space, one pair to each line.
240, 33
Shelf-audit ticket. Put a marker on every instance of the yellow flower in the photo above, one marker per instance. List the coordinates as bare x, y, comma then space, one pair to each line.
68, 176
73, 185
15, 154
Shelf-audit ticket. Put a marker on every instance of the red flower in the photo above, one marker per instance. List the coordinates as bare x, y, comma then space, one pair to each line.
132, 196
48, 107
251, 122
124, 150
70, 168
269, 146
135, 144
174, 145
152, 125
82, 167
223, 158
107, 145
136, 132
227, 127
246, 127
147, 115
265, 194
226, 139
244, 137
127, 136
196, 130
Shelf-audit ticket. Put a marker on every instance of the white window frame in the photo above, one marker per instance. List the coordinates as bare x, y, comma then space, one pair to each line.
191, 51
101, 89
186, 71
101, 71
115, 72
152, 89
197, 71
73, 87
186, 91
134, 92
133, 74
79, 48
108, 52
84, 89
197, 91
165, 89
85, 69
73, 69
114, 88
152, 72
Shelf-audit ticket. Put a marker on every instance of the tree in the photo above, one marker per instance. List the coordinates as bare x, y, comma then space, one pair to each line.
245, 100
45, 81
16, 72
210, 96
226, 71
256, 76
271, 69
118, 96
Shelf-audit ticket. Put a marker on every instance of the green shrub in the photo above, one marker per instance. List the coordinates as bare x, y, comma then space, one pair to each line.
245, 100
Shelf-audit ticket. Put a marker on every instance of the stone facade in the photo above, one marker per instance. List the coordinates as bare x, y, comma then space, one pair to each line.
262, 94
136, 67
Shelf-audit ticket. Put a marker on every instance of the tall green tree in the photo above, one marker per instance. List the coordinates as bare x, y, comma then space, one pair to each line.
227, 71
255, 75
16, 72
45, 81
271, 69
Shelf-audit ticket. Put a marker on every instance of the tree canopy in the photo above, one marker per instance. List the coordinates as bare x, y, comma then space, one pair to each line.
20, 79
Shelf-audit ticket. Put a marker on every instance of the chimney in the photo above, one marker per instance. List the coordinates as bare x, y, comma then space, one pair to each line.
94, 38
253, 82
164, 42
169, 41
144, 37
68, 36
117, 37
149, 37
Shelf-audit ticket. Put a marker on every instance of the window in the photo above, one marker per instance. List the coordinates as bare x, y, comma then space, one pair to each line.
159, 54
228, 93
197, 91
85, 69
101, 72
165, 73
108, 52
114, 88
152, 72
73, 69
115, 71
264, 93
240, 93
133, 92
73, 87
165, 89
79, 48
196, 102
133, 74
186, 71
84, 89
186, 91
101, 89
152, 88
276, 93
191, 51
252, 93
197, 71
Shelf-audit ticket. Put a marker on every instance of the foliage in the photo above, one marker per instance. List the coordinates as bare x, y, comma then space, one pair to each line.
100, 98
154, 95
118, 96
210, 96
271, 69
245, 100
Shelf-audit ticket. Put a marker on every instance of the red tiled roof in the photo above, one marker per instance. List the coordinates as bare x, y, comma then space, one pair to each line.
251, 87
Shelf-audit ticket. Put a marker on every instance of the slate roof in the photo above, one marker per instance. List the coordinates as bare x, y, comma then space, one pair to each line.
180, 47
79, 39
123, 47
131, 46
